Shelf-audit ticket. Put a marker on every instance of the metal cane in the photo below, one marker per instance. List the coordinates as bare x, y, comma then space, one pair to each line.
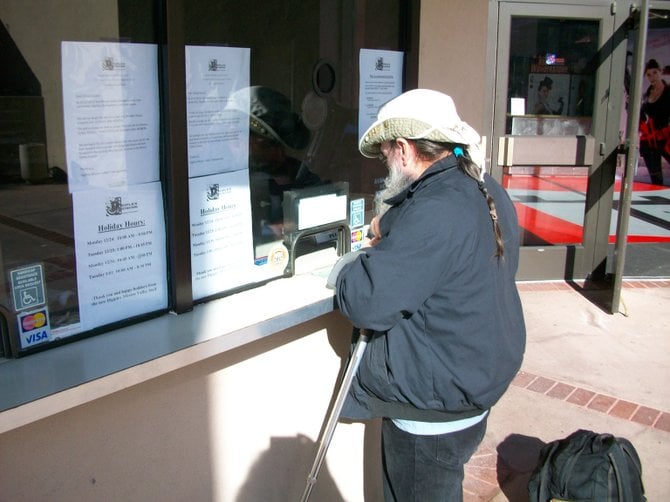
331, 423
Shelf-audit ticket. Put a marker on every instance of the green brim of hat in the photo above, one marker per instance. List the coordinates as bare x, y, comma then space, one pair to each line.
390, 129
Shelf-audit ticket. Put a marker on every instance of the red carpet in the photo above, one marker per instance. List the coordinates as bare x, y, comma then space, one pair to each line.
540, 227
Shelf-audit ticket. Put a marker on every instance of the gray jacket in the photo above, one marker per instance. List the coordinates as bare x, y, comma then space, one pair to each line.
448, 329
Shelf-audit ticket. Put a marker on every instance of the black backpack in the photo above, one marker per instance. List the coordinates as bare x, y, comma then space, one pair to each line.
588, 466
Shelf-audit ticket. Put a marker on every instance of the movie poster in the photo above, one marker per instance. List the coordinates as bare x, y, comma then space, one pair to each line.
654, 128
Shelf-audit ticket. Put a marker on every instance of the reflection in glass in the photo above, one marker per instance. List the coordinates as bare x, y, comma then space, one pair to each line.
287, 40
36, 211
275, 131
303, 127
551, 76
551, 88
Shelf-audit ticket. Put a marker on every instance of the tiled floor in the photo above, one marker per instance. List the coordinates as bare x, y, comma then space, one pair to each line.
595, 401
564, 286
487, 470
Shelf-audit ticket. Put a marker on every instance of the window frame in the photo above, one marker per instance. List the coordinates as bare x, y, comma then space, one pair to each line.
170, 37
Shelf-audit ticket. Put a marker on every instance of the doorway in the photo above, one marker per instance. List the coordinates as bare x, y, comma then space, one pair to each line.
556, 129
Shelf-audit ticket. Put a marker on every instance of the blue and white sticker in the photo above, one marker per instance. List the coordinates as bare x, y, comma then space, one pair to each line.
356, 213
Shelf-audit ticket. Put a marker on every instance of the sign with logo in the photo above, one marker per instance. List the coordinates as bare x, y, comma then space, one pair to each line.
34, 327
120, 248
222, 249
111, 114
28, 287
278, 257
380, 81
217, 108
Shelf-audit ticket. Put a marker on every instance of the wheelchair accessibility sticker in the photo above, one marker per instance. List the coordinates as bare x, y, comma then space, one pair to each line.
28, 287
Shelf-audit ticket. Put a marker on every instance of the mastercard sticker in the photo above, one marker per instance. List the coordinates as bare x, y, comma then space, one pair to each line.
358, 237
34, 327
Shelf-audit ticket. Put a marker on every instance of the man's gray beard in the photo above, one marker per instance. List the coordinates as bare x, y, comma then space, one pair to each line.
394, 183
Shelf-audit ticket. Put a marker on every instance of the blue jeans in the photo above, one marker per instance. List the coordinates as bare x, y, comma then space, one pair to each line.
427, 468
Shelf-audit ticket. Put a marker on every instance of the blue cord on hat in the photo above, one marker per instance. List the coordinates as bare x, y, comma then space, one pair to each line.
458, 151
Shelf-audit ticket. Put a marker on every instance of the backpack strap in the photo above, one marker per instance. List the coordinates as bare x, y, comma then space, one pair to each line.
628, 471
618, 462
574, 446
539, 484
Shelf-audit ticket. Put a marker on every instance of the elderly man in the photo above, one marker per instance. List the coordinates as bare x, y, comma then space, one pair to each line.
437, 291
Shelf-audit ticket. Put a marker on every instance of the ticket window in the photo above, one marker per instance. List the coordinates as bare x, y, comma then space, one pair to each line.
45, 273
109, 205
302, 97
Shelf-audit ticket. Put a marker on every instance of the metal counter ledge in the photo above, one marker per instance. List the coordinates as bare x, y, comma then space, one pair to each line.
46, 383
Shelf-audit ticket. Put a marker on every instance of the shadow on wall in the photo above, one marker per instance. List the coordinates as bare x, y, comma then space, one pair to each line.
280, 474
372, 463
295, 455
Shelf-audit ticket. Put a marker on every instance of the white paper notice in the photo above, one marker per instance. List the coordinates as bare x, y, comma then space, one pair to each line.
517, 106
380, 81
222, 254
120, 249
217, 90
321, 210
111, 113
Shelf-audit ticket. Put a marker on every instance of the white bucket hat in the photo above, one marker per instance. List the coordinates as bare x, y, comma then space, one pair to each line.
421, 114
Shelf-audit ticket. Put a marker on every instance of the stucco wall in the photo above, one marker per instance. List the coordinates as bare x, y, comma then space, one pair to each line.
238, 427
452, 54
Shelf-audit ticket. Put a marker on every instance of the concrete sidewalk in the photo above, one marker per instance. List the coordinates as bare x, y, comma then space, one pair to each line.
584, 369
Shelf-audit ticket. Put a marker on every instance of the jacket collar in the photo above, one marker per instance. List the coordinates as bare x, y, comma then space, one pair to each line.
429, 175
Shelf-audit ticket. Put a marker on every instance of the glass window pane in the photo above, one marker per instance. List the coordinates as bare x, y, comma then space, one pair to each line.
551, 89
303, 122
551, 76
45, 290
301, 57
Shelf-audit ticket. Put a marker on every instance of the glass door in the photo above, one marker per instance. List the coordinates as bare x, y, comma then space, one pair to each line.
556, 129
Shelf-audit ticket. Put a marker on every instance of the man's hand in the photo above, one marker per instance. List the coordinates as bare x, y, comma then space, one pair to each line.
331, 282
374, 233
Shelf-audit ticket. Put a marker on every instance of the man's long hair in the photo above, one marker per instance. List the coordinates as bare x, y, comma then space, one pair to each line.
432, 150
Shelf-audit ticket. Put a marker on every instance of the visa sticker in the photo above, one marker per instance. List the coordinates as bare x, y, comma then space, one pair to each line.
34, 327
357, 237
